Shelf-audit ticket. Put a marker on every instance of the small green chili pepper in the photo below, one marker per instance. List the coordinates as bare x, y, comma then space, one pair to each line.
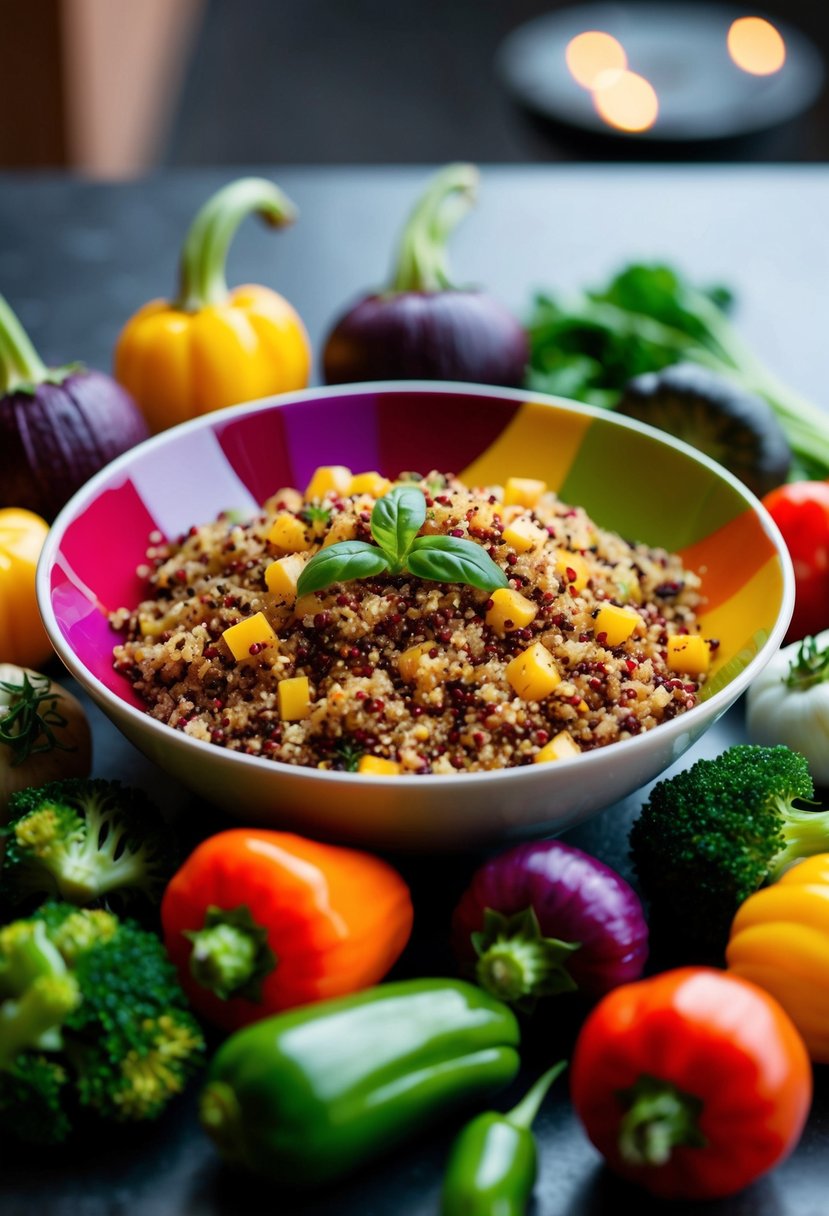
307, 1096
492, 1164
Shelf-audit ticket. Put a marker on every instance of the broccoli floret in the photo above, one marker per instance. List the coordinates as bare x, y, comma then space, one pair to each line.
120, 1045
84, 841
713, 834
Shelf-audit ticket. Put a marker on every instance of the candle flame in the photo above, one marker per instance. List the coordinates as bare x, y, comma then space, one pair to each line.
592, 54
756, 46
627, 101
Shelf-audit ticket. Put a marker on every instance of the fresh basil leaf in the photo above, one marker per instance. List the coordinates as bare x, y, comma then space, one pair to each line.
339, 564
396, 520
448, 559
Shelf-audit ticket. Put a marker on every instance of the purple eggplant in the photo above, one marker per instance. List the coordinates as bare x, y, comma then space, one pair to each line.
422, 327
545, 918
58, 426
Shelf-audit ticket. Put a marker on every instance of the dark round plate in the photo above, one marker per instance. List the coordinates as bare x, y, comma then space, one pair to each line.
681, 50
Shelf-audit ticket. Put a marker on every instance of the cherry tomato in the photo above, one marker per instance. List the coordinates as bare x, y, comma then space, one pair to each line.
801, 512
692, 1083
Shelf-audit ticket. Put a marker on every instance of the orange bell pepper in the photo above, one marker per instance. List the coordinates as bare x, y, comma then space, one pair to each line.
780, 940
259, 921
23, 640
212, 347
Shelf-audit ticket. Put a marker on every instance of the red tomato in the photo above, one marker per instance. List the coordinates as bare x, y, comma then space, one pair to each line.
692, 1083
801, 512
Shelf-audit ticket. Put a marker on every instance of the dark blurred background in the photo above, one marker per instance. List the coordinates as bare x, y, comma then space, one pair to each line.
115, 87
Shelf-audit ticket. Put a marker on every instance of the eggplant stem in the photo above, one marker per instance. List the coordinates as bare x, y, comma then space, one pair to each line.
421, 261
21, 367
204, 254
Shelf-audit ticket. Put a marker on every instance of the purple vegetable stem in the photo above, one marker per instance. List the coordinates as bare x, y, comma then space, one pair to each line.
544, 918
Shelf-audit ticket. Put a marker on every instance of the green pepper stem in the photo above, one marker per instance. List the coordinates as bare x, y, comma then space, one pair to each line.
524, 1113
21, 367
421, 260
223, 958
221, 1117
230, 954
659, 1118
203, 257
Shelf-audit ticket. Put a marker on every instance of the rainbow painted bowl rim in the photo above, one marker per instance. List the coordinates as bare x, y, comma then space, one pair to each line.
710, 708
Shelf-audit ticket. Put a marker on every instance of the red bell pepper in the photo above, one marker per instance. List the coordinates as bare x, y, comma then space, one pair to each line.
801, 512
259, 921
692, 1083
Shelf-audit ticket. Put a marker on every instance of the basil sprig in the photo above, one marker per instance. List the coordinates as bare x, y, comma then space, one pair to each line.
395, 522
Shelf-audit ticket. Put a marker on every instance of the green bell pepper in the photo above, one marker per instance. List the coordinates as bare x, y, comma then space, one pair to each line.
310, 1095
493, 1163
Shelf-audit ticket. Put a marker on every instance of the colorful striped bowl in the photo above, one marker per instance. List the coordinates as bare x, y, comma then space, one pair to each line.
630, 478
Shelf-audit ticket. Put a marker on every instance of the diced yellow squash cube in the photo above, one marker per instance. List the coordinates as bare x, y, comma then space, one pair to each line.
378, 766
294, 698
561, 747
288, 533
523, 491
572, 563
616, 623
327, 479
510, 610
281, 576
523, 534
252, 631
533, 674
369, 483
344, 527
409, 660
689, 654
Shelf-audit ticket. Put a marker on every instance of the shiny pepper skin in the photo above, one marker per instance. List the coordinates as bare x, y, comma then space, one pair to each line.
692, 1083
23, 639
309, 1096
212, 347
258, 921
780, 941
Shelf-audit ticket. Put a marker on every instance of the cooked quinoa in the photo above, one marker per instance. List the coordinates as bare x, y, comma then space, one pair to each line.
404, 670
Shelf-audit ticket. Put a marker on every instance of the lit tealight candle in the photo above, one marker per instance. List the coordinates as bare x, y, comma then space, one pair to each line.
756, 46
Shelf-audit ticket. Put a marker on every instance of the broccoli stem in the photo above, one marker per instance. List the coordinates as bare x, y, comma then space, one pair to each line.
806, 833
40, 992
35, 1019
103, 860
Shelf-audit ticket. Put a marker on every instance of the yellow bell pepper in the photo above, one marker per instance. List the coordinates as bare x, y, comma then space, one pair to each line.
780, 940
23, 639
212, 347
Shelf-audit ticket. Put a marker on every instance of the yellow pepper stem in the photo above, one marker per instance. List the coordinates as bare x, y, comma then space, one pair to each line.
421, 260
202, 269
21, 368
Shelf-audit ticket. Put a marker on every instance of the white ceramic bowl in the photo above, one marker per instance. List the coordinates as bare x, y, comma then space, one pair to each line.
629, 477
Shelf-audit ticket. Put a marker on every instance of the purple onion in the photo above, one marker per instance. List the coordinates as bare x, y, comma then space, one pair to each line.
447, 335
57, 426
545, 918
422, 327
